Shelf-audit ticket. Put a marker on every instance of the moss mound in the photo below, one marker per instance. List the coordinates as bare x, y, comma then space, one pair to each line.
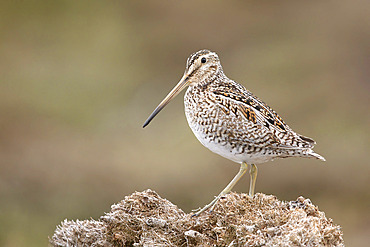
146, 219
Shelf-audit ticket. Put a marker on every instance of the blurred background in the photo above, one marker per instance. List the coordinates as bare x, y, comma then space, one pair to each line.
79, 78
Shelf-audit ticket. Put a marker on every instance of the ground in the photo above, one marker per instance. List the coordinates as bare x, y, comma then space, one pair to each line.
146, 219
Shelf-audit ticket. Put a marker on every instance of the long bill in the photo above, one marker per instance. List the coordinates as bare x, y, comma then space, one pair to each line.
175, 91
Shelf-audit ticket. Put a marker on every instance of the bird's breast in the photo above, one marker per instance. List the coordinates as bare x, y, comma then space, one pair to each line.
218, 131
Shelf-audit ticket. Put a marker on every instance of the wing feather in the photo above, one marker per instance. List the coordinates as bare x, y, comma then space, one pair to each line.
257, 112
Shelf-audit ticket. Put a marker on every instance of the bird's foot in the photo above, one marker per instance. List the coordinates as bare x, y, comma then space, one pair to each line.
211, 205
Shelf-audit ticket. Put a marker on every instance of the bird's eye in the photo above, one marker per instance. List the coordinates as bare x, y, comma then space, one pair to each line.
203, 60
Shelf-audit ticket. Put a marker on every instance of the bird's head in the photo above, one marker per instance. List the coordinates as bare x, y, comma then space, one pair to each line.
201, 67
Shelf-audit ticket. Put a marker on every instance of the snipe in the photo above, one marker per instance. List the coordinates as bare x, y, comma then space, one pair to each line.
232, 122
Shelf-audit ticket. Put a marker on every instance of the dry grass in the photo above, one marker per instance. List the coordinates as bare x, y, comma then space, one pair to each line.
146, 219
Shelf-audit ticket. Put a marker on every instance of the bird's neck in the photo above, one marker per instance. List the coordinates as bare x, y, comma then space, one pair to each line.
211, 80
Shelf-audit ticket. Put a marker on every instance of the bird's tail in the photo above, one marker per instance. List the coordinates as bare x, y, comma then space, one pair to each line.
310, 153
300, 152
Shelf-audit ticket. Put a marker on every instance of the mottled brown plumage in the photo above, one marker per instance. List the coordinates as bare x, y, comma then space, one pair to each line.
232, 122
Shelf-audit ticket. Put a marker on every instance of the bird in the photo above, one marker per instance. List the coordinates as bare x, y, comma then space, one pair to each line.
232, 122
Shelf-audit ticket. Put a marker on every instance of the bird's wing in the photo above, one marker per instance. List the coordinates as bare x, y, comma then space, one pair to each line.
256, 111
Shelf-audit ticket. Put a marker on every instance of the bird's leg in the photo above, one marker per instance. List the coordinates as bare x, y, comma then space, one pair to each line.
243, 169
253, 173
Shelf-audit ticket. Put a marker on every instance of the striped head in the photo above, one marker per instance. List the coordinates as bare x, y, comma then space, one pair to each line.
201, 67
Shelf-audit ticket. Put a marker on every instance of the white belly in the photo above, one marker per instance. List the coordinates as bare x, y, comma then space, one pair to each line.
225, 149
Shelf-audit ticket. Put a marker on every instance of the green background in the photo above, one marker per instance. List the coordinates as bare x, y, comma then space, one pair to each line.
79, 78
